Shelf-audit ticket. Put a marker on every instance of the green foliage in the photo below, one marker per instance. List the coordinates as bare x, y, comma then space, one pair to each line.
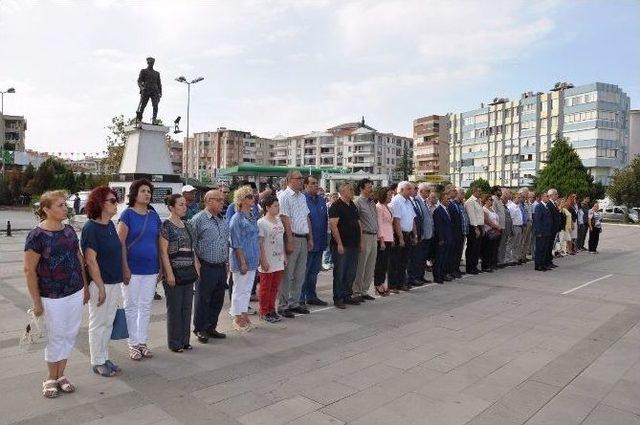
625, 186
483, 184
565, 172
405, 166
116, 139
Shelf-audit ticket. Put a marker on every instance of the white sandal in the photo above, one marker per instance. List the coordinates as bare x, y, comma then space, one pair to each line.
65, 385
50, 388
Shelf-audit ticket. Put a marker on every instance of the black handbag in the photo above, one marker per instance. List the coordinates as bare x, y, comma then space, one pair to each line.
185, 275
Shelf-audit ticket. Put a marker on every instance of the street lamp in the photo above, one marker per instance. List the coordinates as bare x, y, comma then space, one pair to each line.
182, 79
9, 90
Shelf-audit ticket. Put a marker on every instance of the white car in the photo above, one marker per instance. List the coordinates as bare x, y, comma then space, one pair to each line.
83, 201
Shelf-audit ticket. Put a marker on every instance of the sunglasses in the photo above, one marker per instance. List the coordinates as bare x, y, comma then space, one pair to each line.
113, 201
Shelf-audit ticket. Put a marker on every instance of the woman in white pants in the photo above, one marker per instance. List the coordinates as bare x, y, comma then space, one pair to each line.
245, 255
139, 232
53, 267
103, 254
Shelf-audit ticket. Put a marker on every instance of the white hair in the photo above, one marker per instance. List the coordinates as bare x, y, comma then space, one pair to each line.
402, 185
552, 192
424, 185
523, 191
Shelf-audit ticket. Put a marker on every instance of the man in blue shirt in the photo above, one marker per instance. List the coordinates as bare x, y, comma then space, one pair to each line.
193, 206
319, 220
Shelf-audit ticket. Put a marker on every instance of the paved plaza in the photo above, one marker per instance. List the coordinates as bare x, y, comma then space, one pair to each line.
511, 347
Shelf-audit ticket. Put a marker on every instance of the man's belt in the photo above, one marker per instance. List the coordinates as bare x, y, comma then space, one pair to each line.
370, 233
300, 235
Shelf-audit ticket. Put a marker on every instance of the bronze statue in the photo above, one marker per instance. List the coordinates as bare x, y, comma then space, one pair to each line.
150, 88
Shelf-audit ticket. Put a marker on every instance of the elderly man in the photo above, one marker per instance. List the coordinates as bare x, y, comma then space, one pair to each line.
368, 215
318, 215
193, 206
345, 245
460, 231
294, 213
425, 244
474, 235
405, 235
211, 241
556, 223
500, 199
416, 262
514, 243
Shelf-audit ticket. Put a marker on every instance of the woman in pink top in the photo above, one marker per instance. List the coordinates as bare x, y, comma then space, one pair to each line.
385, 240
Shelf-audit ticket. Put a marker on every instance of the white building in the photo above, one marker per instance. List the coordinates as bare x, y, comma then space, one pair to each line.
634, 133
507, 142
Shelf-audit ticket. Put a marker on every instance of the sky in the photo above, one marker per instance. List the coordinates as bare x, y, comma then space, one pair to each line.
289, 67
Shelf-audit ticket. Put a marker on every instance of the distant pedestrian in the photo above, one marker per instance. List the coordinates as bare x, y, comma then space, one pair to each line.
54, 272
595, 228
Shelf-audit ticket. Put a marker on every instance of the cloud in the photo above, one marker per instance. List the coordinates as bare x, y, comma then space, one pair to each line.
222, 51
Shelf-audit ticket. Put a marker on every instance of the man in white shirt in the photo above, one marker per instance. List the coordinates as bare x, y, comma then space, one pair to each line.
294, 213
404, 230
475, 212
517, 220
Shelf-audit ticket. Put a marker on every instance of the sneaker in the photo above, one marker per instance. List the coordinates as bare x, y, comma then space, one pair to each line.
251, 311
268, 318
276, 316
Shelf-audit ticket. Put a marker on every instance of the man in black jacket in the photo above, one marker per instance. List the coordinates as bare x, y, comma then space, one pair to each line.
150, 88
556, 223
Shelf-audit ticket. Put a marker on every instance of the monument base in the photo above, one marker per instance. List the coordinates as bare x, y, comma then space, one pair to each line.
146, 156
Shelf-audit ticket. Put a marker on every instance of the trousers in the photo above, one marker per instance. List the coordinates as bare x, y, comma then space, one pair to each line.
366, 264
209, 296
242, 284
62, 317
179, 305
344, 272
138, 296
291, 286
268, 291
314, 265
101, 321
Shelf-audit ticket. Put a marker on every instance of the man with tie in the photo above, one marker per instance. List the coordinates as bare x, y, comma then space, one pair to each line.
405, 233
542, 228
556, 216
417, 260
474, 236
444, 239
453, 270
426, 242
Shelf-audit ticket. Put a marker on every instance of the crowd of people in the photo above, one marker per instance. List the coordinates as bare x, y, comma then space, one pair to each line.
273, 245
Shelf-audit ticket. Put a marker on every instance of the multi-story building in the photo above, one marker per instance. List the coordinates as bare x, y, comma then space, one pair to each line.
355, 146
506, 142
12, 132
431, 146
88, 165
634, 133
175, 154
207, 152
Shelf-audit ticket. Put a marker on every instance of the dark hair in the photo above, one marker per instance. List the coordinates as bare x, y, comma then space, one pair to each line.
248, 183
393, 186
96, 200
268, 201
381, 194
135, 188
170, 200
306, 178
496, 190
362, 183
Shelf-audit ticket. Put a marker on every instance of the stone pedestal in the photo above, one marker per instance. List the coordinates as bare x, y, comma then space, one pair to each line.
147, 156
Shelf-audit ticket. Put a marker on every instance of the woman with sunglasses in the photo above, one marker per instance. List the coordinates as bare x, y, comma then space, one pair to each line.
103, 255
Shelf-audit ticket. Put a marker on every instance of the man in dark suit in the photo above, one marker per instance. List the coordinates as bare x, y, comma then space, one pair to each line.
542, 228
150, 88
458, 237
444, 239
417, 260
556, 223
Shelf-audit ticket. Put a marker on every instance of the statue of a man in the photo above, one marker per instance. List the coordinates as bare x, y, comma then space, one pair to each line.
150, 88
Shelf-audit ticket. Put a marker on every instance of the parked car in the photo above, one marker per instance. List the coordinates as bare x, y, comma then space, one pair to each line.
619, 213
83, 200
634, 214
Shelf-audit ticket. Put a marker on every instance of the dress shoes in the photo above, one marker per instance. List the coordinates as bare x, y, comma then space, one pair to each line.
202, 336
439, 282
541, 269
473, 272
287, 313
416, 284
339, 304
367, 297
406, 288
300, 309
352, 301
215, 334
318, 302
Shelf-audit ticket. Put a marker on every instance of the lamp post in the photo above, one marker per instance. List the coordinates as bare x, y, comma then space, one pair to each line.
182, 79
9, 90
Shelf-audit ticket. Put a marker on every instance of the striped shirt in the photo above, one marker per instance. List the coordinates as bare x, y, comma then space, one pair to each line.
294, 205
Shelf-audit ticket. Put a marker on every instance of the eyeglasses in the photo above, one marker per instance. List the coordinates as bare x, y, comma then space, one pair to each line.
113, 201
248, 197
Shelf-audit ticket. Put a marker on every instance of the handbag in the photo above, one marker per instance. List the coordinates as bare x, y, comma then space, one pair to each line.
188, 274
120, 330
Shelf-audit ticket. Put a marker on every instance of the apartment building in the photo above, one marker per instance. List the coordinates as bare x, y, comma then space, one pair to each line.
12, 133
175, 154
207, 152
355, 146
431, 146
507, 142
634, 133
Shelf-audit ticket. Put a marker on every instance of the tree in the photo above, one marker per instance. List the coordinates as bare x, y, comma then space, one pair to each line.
116, 139
625, 185
405, 166
483, 184
565, 172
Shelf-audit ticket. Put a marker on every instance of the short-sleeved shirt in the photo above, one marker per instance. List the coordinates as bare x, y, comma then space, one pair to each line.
273, 243
142, 255
103, 239
59, 270
192, 209
211, 234
348, 223
319, 221
244, 235
180, 239
403, 210
368, 215
294, 205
